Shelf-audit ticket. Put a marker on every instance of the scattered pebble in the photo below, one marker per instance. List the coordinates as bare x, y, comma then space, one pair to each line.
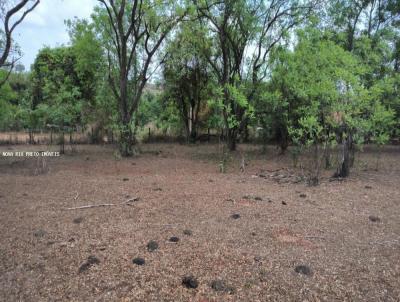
138, 261
257, 258
235, 216
87, 158
174, 239
221, 286
302, 195
39, 233
190, 282
133, 164
368, 187
258, 198
253, 233
246, 197
303, 269
210, 180
157, 189
188, 232
284, 203
374, 218
152, 246
88, 263
78, 220
125, 179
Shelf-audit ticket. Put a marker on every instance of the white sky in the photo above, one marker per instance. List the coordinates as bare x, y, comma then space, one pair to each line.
44, 26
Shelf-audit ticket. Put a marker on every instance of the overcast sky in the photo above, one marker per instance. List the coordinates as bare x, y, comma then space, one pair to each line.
45, 25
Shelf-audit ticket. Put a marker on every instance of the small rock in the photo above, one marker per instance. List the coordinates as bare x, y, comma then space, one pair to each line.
374, 218
157, 189
188, 232
72, 239
235, 216
190, 282
257, 258
152, 246
87, 158
258, 198
210, 180
269, 200
368, 187
88, 263
246, 197
174, 239
78, 220
133, 164
302, 195
253, 233
221, 286
284, 203
39, 233
138, 261
303, 269
262, 175
125, 179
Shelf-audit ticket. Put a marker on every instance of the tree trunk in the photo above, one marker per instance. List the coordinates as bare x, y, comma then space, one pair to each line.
344, 167
127, 142
283, 139
231, 139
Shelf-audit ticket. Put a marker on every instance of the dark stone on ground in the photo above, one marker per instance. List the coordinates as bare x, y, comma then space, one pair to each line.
125, 179
87, 158
190, 282
39, 233
257, 258
138, 261
253, 233
262, 175
174, 239
210, 180
133, 164
246, 197
235, 216
368, 187
258, 198
23, 194
91, 260
157, 189
374, 218
302, 195
152, 246
78, 220
284, 203
72, 239
221, 286
303, 269
188, 232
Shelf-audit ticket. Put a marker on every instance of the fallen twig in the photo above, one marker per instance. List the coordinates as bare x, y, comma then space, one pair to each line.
129, 201
93, 206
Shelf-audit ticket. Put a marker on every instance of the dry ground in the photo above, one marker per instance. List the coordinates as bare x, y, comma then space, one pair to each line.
329, 230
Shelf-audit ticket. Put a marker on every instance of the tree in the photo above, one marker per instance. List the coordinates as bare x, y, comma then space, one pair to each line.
319, 87
133, 32
8, 10
187, 76
238, 26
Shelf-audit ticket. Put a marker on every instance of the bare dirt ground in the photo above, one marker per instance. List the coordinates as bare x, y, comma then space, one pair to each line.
339, 241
